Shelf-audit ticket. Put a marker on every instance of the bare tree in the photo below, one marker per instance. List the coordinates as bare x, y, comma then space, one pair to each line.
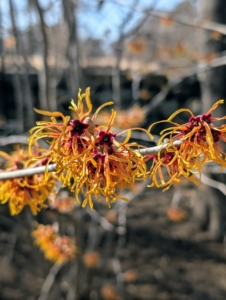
119, 47
48, 81
24, 83
16, 79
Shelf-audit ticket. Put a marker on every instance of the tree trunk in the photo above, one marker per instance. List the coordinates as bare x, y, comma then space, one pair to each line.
74, 71
213, 81
213, 88
49, 82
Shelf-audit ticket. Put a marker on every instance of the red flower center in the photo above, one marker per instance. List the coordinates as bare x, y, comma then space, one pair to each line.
78, 127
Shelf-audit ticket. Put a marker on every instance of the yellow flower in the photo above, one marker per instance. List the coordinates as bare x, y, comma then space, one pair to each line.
56, 248
106, 168
32, 191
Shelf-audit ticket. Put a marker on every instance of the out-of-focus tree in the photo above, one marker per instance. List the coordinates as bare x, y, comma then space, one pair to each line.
74, 71
208, 203
22, 83
213, 80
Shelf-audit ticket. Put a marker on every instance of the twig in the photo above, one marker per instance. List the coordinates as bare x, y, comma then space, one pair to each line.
52, 167
202, 66
213, 183
176, 198
121, 231
73, 272
26, 172
11, 246
49, 281
13, 139
101, 220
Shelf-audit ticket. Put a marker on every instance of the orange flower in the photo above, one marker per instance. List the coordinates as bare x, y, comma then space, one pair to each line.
109, 167
200, 139
58, 249
108, 292
32, 191
63, 203
130, 275
168, 168
91, 259
176, 214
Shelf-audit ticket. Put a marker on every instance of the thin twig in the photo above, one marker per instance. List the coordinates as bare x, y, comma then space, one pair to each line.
213, 183
26, 172
202, 66
13, 139
101, 220
121, 207
49, 281
176, 198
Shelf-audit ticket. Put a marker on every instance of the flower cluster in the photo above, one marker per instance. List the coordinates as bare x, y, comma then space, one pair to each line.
32, 190
89, 158
200, 142
56, 248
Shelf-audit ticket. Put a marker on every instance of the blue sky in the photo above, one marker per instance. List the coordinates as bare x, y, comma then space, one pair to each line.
91, 21
112, 14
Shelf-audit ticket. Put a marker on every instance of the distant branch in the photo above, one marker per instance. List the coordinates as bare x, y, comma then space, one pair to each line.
213, 183
13, 139
206, 25
198, 68
49, 281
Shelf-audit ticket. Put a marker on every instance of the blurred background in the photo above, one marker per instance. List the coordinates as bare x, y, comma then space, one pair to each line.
151, 57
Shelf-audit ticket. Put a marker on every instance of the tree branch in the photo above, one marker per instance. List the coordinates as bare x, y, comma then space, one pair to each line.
52, 167
205, 25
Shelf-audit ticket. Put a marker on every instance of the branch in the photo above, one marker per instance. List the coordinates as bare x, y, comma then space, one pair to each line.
49, 281
52, 167
198, 68
205, 25
213, 183
13, 139
26, 172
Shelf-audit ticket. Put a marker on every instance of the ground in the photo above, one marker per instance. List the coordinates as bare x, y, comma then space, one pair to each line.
164, 260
